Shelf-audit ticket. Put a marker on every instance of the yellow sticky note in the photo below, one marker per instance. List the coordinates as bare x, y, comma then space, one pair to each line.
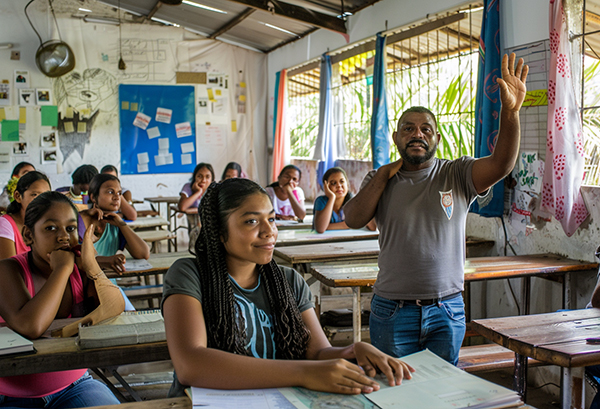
207, 124
69, 128
2, 114
125, 105
242, 84
69, 113
242, 98
218, 92
211, 97
85, 112
133, 106
22, 115
81, 127
233, 126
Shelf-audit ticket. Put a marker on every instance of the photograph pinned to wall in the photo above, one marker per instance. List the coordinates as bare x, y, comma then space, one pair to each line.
218, 80
22, 79
5, 92
20, 148
49, 156
202, 106
43, 96
48, 139
26, 96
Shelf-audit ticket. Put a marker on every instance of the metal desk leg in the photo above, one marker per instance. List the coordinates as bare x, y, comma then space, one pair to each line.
572, 390
520, 376
568, 299
525, 295
356, 314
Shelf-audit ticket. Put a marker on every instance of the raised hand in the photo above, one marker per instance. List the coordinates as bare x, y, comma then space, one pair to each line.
328, 192
512, 84
114, 219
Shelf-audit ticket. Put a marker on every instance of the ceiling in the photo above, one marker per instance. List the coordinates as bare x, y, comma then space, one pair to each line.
260, 25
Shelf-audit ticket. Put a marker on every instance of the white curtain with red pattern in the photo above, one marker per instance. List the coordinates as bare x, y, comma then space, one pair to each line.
561, 195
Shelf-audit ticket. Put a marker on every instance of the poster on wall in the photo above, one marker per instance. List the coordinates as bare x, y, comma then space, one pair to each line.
157, 125
5, 92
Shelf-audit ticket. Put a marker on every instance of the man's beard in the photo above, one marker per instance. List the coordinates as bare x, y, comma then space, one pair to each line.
417, 159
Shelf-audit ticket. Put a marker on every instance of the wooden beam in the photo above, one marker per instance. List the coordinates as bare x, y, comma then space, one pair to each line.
462, 36
306, 16
304, 85
154, 10
234, 22
304, 68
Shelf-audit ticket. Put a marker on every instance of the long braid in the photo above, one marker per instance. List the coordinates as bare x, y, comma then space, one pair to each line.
291, 335
226, 329
218, 302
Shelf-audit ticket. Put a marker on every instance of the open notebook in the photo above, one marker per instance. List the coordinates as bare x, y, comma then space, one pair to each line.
13, 343
128, 328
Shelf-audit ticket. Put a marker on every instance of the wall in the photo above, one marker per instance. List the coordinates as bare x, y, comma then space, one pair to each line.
90, 42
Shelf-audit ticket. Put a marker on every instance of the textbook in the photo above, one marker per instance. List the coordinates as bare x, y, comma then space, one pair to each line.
128, 328
13, 343
436, 384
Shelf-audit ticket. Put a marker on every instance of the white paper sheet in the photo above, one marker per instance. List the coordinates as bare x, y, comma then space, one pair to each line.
141, 121
142, 167
160, 160
164, 115
186, 159
183, 129
153, 132
143, 157
163, 143
187, 147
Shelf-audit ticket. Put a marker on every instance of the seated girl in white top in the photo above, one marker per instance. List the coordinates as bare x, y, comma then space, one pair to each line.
287, 197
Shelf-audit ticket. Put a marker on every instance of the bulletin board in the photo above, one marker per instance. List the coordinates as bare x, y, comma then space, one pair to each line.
157, 129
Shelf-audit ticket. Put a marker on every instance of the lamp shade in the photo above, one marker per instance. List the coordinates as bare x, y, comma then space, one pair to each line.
55, 58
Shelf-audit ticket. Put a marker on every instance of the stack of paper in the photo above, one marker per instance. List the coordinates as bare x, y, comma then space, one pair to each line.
13, 343
131, 327
436, 384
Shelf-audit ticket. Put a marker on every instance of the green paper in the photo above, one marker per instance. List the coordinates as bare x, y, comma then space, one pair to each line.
10, 131
49, 115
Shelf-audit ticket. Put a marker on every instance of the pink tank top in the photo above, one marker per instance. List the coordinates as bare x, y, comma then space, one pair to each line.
42, 384
19, 243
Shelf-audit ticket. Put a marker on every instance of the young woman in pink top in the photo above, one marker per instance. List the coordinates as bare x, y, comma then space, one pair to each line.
45, 284
28, 188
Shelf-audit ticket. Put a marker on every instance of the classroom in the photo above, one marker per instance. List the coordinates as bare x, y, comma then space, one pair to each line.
158, 87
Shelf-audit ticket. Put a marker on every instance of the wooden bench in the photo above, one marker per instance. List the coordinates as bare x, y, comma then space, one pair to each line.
145, 292
153, 236
488, 357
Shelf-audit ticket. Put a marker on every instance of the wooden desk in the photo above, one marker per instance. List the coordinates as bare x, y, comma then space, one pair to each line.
301, 256
61, 354
160, 263
293, 225
357, 275
296, 237
147, 222
161, 199
557, 338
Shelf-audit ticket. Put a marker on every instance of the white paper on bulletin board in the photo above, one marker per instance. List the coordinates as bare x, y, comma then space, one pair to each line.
213, 135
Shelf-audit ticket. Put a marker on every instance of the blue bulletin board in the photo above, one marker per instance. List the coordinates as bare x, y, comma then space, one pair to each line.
158, 129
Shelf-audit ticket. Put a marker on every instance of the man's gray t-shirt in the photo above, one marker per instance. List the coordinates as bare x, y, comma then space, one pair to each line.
183, 278
421, 217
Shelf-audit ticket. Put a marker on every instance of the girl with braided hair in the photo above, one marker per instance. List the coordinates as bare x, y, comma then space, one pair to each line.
234, 304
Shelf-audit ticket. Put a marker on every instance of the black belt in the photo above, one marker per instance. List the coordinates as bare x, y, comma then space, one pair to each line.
431, 301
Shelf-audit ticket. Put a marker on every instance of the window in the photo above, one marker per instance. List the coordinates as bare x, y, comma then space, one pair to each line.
433, 65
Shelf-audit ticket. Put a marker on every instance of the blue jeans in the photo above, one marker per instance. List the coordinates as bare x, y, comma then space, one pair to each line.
594, 372
400, 329
84, 392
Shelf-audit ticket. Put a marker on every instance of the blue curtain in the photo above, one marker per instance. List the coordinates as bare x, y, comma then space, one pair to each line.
380, 132
487, 104
324, 149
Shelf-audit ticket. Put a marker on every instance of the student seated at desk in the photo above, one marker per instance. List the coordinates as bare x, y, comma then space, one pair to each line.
111, 233
78, 193
329, 212
192, 192
287, 197
19, 170
28, 188
232, 170
127, 209
47, 283
233, 305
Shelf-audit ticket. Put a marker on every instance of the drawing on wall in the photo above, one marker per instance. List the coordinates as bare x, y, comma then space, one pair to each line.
80, 98
147, 60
